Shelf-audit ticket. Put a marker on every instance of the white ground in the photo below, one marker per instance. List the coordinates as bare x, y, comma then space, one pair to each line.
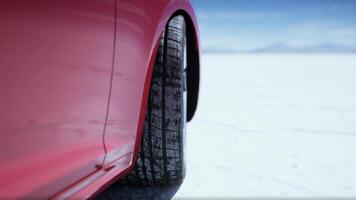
272, 126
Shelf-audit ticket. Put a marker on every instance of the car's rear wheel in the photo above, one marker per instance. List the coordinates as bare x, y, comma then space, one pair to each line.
161, 157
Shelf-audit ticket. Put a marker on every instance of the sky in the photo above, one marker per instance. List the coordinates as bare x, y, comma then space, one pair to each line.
241, 25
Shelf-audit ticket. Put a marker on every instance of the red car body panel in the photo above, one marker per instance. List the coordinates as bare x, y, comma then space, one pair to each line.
75, 77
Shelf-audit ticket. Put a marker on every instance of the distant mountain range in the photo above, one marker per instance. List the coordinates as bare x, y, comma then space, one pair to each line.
284, 48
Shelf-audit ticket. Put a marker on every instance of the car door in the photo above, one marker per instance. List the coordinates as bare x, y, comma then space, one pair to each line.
55, 69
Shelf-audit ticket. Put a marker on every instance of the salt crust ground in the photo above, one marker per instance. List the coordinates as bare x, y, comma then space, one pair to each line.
273, 126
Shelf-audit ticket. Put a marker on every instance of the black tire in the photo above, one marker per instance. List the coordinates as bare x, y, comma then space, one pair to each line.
161, 158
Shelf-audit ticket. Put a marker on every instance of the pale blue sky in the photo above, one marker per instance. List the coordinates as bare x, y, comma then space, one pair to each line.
250, 24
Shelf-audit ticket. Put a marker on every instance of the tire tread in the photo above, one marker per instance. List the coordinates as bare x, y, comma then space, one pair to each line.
160, 160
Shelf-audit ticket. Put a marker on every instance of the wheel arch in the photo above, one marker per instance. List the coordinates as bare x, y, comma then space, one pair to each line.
171, 10
185, 9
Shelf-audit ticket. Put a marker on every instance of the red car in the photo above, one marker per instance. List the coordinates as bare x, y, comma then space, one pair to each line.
93, 91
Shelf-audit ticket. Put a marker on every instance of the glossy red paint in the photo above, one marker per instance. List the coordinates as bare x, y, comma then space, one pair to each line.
75, 76
55, 59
